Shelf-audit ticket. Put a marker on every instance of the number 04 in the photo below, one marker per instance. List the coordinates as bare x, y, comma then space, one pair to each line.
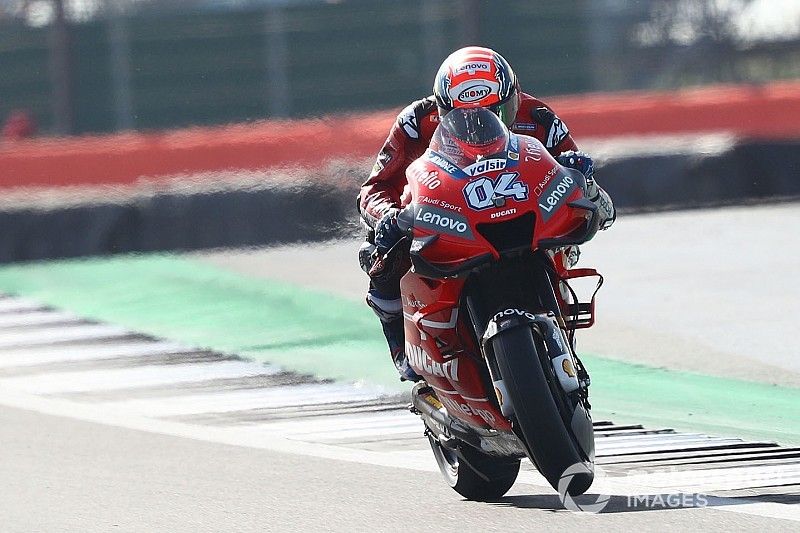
480, 192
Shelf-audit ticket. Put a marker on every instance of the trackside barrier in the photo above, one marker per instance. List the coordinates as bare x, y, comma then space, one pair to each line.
766, 112
322, 210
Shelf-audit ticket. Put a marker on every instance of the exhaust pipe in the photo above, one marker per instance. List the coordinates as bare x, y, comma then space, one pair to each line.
425, 403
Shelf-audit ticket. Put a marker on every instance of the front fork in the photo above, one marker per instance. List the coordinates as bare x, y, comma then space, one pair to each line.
547, 323
558, 351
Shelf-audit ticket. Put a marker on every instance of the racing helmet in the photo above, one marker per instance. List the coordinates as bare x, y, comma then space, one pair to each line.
468, 134
477, 76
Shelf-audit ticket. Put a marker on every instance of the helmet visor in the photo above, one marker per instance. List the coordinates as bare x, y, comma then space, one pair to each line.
507, 110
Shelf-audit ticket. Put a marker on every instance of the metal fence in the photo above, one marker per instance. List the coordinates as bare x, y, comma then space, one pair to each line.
146, 64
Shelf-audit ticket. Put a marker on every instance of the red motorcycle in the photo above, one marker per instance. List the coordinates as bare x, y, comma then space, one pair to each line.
489, 315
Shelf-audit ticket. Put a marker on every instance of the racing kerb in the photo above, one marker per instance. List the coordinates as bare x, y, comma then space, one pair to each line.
59, 363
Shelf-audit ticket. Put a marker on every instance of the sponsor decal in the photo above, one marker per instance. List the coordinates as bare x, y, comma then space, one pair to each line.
484, 192
558, 132
448, 205
484, 166
555, 195
441, 221
423, 176
408, 121
542, 184
384, 157
473, 91
420, 360
441, 203
557, 337
442, 163
417, 245
513, 156
467, 410
566, 365
504, 213
565, 372
525, 126
513, 312
532, 151
433, 401
414, 303
474, 66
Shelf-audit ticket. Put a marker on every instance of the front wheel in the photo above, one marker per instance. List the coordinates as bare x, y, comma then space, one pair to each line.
551, 445
473, 474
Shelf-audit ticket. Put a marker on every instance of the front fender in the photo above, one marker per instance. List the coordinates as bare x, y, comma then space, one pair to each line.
545, 324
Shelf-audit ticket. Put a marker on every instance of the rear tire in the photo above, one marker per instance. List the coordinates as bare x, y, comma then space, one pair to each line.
473, 474
551, 445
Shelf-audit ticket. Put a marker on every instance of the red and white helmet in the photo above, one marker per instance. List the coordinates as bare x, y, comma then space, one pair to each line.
476, 76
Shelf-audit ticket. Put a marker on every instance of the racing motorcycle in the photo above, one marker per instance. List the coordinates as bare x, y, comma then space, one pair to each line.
489, 313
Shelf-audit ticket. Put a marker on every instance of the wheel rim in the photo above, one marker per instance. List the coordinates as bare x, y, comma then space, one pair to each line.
446, 459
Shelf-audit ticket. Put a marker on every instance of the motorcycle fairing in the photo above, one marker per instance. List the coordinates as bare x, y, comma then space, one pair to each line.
440, 348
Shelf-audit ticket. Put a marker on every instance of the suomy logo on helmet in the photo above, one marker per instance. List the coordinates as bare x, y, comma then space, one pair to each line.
473, 90
474, 93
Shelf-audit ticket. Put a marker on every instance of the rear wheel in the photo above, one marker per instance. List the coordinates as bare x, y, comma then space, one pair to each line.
539, 422
473, 474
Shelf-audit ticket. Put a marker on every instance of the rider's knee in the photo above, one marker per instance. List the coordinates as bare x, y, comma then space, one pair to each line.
387, 309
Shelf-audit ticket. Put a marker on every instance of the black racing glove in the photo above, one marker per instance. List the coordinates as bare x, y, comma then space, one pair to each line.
585, 164
579, 161
387, 232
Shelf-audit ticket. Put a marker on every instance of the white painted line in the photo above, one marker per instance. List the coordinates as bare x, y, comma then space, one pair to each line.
14, 305
36, 318
345, 426
60, 334
136, 377
622, 440
754, 508
242, 400
39, 355
366, 433
718, 479
676, 444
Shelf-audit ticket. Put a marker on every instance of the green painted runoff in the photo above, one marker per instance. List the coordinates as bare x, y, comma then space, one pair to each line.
332, 337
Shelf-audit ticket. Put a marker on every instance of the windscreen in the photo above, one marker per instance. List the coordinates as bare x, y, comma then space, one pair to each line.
475, 126
466, 133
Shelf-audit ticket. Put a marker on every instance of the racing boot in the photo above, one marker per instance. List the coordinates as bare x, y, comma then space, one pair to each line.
390, 313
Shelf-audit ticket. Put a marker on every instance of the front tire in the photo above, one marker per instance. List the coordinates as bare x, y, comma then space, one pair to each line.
473, 474
550, 443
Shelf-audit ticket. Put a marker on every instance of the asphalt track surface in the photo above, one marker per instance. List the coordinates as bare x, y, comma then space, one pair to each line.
100, 478
104, 430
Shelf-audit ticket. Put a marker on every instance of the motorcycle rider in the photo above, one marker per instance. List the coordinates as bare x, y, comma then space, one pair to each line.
469, 77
